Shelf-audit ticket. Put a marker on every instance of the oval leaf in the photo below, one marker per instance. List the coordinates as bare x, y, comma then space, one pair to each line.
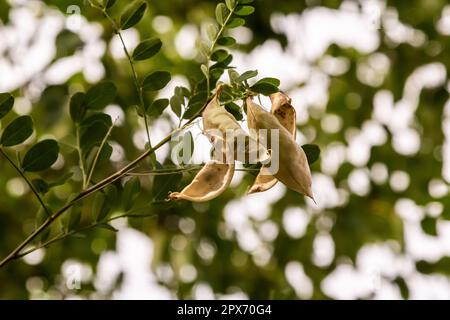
130, 193
19, 130
100, 95
147, 49
108, 3
156, 81
6, 103
133, 14
77, 107
226, 41
157, 107
221, 11
236, 22
41, 156
312, 152
244, 10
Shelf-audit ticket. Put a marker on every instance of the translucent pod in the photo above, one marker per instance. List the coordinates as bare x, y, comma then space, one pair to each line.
210, 182
229, 138
293, 169
285, 113
283, 110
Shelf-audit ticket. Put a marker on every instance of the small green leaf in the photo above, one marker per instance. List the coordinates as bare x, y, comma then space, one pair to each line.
104, 155
205, 70
103, 118
19, 130
100, 95
235, 110
312, 152
77, 107
93, 131
156, 81
226, 41
6, 103
273, 81
157, 107
195, 104
429, 226
41, 156
163, 184
211, 31
246, 75
130, 193
133, 14
40, 185
182, 92
233, 75
92, 136
244, 10
219, 55
67, 43
230, 4
100, 207
108, 3
107, 226
73, 218
221, 11
147, 49
61, 180
245, 1
266, 86
236, 22
175, 105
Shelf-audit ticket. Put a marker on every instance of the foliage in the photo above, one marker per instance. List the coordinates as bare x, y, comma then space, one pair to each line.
72, 204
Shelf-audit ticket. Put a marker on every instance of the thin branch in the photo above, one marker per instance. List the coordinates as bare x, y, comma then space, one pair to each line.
97, 155
135, 77
80, 155
22, 174
213, 45
85, 228
85, 193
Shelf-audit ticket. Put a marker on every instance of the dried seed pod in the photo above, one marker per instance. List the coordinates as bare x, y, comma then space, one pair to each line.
285, 113
283, 110
293, 169
221, 127
209, 183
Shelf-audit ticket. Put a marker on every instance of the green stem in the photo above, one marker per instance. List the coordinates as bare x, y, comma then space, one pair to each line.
85, 228
22, 174
85, 193
135, 78
97, 155
80, 156
213, 45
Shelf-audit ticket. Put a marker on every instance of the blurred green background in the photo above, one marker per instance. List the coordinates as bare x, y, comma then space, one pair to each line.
370, 85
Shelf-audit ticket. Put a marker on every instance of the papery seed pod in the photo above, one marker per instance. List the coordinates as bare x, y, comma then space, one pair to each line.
285, 113
218, 122
283, 110
293, 169
209, 183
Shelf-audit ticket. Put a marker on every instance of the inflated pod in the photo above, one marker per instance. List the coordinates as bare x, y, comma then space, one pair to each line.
293, 169
220, 126
209, 182
283, 110
216, 175
285, 113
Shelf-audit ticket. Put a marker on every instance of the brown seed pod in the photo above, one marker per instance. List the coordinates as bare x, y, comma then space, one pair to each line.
283, 110
218, 122
209, 182
285, 113
293, 169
